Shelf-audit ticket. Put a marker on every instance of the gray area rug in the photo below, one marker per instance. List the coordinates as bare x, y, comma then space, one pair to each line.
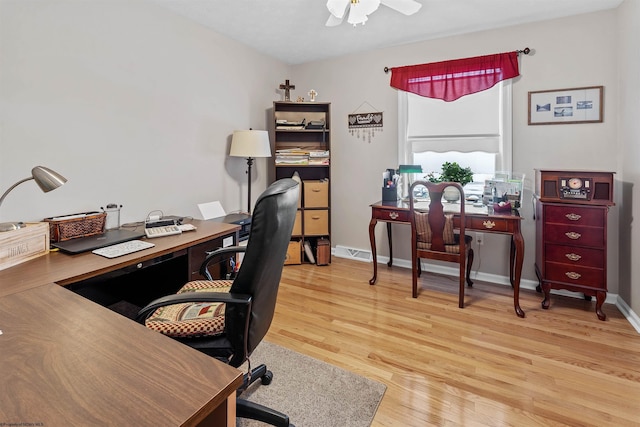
313, 393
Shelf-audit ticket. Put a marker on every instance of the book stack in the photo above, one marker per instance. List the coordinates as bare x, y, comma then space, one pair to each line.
319, 157
292, 156
315, 124
282, 124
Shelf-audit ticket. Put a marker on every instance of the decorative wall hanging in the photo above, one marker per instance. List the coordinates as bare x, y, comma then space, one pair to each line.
365, 124
563, 106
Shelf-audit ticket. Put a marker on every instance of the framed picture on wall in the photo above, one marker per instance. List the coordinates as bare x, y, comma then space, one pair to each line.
565, 106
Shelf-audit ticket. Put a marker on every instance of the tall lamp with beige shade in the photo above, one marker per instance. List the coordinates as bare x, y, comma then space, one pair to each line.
250, 144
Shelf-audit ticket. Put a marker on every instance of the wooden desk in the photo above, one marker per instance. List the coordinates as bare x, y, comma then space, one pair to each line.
68, 361
507, 223
64, 269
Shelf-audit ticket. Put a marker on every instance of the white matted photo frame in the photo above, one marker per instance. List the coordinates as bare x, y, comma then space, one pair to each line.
564, 106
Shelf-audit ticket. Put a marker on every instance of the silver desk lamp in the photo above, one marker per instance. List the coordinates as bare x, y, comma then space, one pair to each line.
46, 179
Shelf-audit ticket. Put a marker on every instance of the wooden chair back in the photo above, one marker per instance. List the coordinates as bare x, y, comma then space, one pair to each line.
432, 235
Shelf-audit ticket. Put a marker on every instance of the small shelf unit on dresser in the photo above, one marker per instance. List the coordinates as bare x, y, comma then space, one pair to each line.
302, 140
571, 232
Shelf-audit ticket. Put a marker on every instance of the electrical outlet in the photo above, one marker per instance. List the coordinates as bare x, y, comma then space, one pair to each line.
480, 238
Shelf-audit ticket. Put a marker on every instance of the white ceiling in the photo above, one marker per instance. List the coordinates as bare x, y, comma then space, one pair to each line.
294, 31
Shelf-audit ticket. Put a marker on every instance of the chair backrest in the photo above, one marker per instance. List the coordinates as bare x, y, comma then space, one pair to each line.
436, 227
261, 269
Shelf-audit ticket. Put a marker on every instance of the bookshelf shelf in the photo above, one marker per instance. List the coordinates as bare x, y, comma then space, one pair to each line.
294, 150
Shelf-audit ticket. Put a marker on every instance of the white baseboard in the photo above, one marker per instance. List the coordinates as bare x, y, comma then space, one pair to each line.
628, 314
361, 255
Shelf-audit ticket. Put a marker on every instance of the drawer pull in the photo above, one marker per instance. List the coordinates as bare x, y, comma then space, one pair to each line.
572, 275
393, 215
573, 235
315, 217
573, 257
489, 224
573, 216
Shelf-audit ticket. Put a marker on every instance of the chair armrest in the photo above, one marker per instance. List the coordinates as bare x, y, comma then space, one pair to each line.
238, 300
218, 252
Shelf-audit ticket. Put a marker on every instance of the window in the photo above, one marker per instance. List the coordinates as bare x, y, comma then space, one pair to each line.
474, 131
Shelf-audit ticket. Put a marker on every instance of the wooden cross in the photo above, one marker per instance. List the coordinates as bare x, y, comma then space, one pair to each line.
287, 87
313, 94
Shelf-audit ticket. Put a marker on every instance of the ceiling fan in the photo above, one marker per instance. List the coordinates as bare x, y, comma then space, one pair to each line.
360, 9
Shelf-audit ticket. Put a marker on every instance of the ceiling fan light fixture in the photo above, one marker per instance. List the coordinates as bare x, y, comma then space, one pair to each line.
359, 10
356, 15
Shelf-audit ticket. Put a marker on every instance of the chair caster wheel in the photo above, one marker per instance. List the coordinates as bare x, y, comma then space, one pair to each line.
267, 378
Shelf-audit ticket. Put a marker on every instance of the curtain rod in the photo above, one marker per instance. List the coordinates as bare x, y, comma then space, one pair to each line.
525, 51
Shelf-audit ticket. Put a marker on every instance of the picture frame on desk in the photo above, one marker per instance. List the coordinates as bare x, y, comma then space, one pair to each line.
566, 106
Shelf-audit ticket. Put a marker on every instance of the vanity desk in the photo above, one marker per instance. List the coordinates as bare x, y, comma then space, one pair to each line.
477, 219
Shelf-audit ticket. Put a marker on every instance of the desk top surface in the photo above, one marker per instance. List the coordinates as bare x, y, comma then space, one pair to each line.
68, 361
469, 208
63, 269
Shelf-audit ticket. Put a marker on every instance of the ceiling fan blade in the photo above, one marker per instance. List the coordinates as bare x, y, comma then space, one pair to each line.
408, 7
333, 21
337, 8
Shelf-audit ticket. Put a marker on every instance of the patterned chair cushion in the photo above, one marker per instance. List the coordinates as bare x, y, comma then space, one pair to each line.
192, 319
452, 249
424, 231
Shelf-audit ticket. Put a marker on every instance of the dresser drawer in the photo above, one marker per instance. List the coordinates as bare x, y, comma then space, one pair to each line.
316, 222
574, 235
581, 276
489, 223
578, 215
575, 255
391, 215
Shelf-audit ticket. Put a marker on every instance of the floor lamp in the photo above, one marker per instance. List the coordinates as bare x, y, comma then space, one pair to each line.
250, 144
46, 179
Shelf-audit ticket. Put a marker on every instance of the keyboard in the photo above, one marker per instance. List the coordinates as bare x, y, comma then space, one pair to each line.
123, 248
167, 230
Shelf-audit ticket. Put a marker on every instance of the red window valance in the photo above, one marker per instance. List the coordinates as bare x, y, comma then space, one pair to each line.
450, 80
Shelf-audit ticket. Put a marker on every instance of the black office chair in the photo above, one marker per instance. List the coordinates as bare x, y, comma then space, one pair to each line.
227, 319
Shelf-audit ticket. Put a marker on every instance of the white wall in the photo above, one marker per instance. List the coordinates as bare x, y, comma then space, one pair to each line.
131, 103
629, 151
570, 52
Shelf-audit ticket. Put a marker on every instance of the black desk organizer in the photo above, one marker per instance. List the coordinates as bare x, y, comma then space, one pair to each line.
389, 194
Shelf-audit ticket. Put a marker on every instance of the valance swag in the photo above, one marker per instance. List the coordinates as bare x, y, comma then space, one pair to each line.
450, 80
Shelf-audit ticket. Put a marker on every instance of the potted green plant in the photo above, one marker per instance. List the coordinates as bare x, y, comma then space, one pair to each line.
452, 172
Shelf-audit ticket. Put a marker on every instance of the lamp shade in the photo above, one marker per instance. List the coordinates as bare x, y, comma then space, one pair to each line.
250, 143
47, 179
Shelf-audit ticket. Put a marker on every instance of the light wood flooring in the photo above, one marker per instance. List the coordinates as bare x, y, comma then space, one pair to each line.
477, 366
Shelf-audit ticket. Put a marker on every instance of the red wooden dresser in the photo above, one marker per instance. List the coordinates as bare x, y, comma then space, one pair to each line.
571, 232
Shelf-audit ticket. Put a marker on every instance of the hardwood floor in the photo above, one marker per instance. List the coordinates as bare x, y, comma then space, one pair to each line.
477, 366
